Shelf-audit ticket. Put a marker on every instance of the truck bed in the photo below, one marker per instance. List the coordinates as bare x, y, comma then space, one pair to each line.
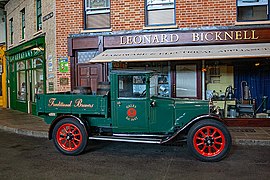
72, 104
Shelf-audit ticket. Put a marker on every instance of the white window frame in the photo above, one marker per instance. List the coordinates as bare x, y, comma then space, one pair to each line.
159, 4
254, 3
153, 5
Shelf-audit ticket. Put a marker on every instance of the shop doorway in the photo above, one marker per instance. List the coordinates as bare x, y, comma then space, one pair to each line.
187, 81
89, 76
29, 99
26, 80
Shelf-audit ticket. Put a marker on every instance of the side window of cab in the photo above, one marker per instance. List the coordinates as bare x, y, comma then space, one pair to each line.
132, 86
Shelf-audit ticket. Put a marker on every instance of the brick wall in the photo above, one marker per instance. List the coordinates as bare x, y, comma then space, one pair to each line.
69, 20
198, 13
127, 14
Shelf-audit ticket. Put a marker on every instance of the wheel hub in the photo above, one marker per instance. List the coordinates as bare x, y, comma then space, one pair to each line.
69, 136
209, 141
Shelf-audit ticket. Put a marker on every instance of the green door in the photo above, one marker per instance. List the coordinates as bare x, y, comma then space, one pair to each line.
131, 107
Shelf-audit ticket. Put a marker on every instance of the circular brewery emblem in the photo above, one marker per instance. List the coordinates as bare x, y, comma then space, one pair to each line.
131, 113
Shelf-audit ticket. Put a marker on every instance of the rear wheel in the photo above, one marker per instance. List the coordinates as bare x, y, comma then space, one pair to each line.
70, 137
209, 140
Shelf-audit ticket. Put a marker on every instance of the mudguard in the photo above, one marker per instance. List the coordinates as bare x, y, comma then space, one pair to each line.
59, 118
190, 123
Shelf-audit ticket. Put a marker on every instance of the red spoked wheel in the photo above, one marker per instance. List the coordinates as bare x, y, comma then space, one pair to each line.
209, 140
70, 137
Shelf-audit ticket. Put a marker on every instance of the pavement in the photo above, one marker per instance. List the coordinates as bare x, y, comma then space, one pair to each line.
30, 125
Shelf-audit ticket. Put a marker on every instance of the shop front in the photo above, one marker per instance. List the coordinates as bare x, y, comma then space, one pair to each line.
229, 66
26, 74
3, 88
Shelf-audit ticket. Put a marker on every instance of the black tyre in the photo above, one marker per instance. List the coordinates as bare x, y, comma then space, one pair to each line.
70, 137
209, 140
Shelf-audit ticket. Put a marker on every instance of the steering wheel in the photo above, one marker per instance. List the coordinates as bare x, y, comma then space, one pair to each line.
143, 93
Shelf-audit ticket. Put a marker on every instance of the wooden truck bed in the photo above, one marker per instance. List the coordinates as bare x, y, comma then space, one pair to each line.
72, 104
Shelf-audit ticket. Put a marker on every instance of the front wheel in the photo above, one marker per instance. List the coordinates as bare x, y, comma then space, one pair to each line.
70, 137
209, 140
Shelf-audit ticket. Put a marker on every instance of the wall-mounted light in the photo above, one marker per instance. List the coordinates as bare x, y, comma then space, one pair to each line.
37, 49
257, 64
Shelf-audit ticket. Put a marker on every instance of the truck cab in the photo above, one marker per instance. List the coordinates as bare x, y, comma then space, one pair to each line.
133, 111
138, 108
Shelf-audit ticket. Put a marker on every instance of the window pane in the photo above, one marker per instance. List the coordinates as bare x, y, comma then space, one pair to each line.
160, 12
95, 21
21, 86
20, 65
249, 13
39, 15
159, 1
38, 82
37, 62
99, 3
155, 18
86, 56
186, 81
132, 86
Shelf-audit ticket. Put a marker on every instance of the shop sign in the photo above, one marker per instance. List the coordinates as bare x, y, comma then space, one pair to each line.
63, 81
25, 55
50, 63
188, 37
63, 64
48, 16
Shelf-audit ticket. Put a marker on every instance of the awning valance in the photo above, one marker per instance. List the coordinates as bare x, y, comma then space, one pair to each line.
184, 53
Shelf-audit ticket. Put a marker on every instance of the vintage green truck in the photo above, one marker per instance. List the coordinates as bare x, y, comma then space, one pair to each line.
132, 111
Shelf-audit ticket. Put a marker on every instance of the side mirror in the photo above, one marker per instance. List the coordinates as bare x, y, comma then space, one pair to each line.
153, 104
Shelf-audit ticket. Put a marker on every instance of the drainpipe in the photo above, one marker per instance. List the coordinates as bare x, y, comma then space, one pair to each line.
203, 80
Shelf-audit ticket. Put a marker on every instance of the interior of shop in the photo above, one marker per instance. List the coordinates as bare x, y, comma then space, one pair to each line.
239, 88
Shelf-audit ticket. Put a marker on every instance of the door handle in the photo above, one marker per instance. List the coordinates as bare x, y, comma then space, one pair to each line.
153, 104
119, 103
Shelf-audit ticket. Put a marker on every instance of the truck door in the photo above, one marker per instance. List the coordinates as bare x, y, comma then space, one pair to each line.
131, 106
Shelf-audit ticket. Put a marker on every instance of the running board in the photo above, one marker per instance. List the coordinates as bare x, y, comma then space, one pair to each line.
127, 139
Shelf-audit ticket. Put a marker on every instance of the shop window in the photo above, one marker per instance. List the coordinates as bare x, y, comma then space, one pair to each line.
23, 22
97, 14
39, 15
186, 81
11, 31
21, 86
132, 86
252, 10
37, 63
86, 56
37, 77
20, 65
160, 12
